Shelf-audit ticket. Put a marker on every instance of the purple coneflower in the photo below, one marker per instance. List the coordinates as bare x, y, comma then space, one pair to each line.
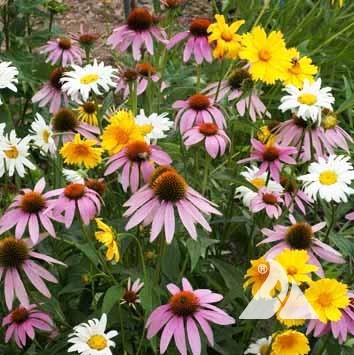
339, 329
267, 200
197, 109
301, 235
293, 196
63, 50
23, 321
186, 310
75, 198
137, 32
51, 94
136, 158
16, 256
272, 156
131, 294
65, 124
85, 37
155, 204
27, 211
215, 139
197, 43
350, 216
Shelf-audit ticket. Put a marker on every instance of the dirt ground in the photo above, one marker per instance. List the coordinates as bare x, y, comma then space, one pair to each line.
102, 16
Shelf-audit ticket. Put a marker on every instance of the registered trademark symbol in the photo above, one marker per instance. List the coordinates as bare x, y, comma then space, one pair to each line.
262, 268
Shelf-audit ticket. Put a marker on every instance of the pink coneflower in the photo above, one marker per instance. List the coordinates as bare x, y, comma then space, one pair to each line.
267, 200
350, 216
63, 50
236, 88
85, 37
186, 309
140, 76
16, 256
27, 211
293, 196
51, 94
155, 204
65, 125
301, 235
76, 198
197, 109
215, 139
307, 139
272, 156
131, 294
23, 321
339, 329
137, 32
137, 158
197, 43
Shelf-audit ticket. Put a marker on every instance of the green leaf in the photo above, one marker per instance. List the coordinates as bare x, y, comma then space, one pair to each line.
170, 261
111, 297
197, 249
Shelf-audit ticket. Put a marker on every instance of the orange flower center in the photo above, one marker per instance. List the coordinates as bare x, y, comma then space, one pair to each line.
64, 43
138, 151
299, 236
199, 102
145, 69
139, 19
96, 185
19, 315
184, 303
271, 153
74, 191
13, 252
32, 202
199, 27
130, 75
270, 199
208, 129
264, 55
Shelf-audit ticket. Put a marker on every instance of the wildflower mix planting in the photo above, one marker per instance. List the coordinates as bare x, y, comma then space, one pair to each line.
146, 197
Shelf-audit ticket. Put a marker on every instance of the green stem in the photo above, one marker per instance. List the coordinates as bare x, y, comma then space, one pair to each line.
206, 173
198, 78
261, 13
122, 331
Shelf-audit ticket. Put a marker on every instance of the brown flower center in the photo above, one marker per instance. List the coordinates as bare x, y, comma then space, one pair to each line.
55, 77
184, 303
32, 202
13, 252
271, 153
172, 4
300, 236
64, 120
140, 19
74, 191
89, 107
168, 185
199, 27
270, 199
88, 38
199, 102
145, 69
130, 75
238, 78
130, 296
208, 129
64, 43
19, 315
97, 185
289, 185
138, 151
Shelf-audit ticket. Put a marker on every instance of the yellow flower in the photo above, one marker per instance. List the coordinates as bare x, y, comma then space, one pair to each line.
327, 297
267, 55
295, 264
81, 151
227, 42
87, 113
340, 3
121, 131
106, 236
256, 275
301, 69
264, 134
290, 342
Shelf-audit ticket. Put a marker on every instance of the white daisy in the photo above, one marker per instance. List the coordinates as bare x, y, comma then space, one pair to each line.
307, 102
42, 135
159, 124
74, 176
15, 152
91, 338
329, 179
81, 81
260, 347
258, 181
8, 77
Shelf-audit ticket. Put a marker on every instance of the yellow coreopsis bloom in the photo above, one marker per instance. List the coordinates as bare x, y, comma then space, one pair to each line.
301, 69
328, 297
87, 113
295, 265
227, 41
290, 342
264, 134
81, 152
340, 3
267, 55
106, 236
121, 131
